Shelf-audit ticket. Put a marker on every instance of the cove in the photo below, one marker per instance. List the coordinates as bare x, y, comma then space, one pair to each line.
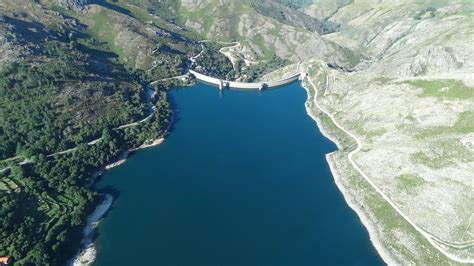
241, 180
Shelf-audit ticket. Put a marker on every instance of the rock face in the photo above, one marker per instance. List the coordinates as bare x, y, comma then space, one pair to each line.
74, 4
141, 45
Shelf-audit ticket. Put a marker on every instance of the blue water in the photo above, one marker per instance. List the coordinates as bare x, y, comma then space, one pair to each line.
241, 180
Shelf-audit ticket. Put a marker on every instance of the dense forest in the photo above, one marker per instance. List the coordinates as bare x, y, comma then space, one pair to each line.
213, 63
42, 100
255, 71
47, 201
69, 90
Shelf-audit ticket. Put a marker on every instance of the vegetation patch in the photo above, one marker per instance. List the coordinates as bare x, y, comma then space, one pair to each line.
368, 135
103, 29
465, 123
215, 64
443, 153
260, 42
409, 182
429, 12
198, 15
253, 72
443, 88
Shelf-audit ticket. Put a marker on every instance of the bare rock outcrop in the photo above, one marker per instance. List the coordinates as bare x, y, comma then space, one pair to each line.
74, 4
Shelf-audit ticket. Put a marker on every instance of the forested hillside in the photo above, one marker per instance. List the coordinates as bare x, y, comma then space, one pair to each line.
68, 78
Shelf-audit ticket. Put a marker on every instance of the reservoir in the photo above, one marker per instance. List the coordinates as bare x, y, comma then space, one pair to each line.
241, 180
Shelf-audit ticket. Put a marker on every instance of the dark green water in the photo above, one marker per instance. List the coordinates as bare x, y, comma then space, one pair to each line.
241, 180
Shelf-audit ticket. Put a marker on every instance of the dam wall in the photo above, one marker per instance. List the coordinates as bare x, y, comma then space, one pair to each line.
244, 85
273, 84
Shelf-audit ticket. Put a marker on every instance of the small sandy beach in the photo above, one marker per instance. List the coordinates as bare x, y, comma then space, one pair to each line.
87, 253
150, 143
120, 161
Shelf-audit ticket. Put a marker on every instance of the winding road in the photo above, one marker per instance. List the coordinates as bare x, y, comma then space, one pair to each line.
432, 239
152, 108
95, 141
223, 50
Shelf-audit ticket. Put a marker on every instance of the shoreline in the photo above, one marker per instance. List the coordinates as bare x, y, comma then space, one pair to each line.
148, 144
123, 158
370, 225
120, 161
364, 217
87, 253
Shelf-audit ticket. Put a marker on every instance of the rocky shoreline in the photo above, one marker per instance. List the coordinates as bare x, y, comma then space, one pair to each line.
87, 253
351, 200
148, 144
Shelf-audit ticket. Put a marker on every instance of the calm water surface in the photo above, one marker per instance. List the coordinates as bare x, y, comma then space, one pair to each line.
241, 180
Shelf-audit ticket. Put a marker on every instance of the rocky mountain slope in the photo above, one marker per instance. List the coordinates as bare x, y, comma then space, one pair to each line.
264, 28
410, 102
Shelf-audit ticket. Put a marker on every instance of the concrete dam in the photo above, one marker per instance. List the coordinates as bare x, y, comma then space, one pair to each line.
244, 85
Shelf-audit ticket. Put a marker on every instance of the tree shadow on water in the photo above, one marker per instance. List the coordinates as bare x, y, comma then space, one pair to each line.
176, 113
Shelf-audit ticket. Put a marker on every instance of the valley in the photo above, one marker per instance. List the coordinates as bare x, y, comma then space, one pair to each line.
390, 82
